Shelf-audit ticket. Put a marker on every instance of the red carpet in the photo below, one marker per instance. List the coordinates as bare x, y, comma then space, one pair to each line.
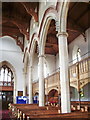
4, 115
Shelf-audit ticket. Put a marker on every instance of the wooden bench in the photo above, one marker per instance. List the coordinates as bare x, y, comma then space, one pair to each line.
34, 112
58, 116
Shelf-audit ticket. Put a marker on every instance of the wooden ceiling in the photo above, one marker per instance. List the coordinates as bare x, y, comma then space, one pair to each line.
78, 21
16, 18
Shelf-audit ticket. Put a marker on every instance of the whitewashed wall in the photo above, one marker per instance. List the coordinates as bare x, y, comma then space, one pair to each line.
50, 65
10, 52
86, 93
86, 90
57, 61
80, 42
35, 67
50, 62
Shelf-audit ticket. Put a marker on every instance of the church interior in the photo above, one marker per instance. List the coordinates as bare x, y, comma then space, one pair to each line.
45, 60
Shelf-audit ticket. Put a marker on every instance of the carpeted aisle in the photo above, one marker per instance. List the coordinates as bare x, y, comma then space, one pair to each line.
4, 115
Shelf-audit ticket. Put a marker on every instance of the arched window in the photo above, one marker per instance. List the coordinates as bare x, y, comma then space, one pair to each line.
6, 76
76, 54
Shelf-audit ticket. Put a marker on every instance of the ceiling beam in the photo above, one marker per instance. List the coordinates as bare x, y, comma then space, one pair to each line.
75, 25
78, 27
51, 44
49, 51
82, 14
7, 29
22, 26
70, 10
30, 10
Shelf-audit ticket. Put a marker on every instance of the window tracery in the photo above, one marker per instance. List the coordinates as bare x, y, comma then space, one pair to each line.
6, 76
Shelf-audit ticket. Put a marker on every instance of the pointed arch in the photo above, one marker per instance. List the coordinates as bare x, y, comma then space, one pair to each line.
10, 66
34, 42
15, 78
50, 14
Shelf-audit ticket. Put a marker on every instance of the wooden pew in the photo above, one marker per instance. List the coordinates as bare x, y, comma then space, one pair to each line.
34, 112
58, 116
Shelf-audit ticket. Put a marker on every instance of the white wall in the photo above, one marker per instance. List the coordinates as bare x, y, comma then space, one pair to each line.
10, 52
50, 65
50, 61
74, 94
80, 42
86, 93
57, 61
86, 90
35, 67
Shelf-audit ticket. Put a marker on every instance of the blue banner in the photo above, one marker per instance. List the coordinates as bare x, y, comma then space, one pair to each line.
21, 99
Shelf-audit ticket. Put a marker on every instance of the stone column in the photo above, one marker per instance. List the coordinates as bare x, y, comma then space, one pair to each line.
30, 84
46, 90
15, 94
64, 79
24, 84
41, 81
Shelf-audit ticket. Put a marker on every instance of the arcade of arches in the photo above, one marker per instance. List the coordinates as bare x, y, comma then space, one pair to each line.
44, 52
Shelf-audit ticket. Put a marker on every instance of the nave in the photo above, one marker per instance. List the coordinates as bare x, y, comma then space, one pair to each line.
45, 60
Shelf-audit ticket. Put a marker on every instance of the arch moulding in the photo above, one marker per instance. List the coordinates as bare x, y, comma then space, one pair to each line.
32, 46
53, 88
50, 13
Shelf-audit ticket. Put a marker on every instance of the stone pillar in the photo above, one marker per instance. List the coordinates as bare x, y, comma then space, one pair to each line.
15, 94
64, 79
24, 84
30, 84
41, 81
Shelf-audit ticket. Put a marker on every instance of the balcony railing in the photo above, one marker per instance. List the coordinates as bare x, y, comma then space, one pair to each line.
79, 71
6, 83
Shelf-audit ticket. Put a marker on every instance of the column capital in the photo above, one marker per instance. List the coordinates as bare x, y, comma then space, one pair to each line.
41, 56
62, 33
